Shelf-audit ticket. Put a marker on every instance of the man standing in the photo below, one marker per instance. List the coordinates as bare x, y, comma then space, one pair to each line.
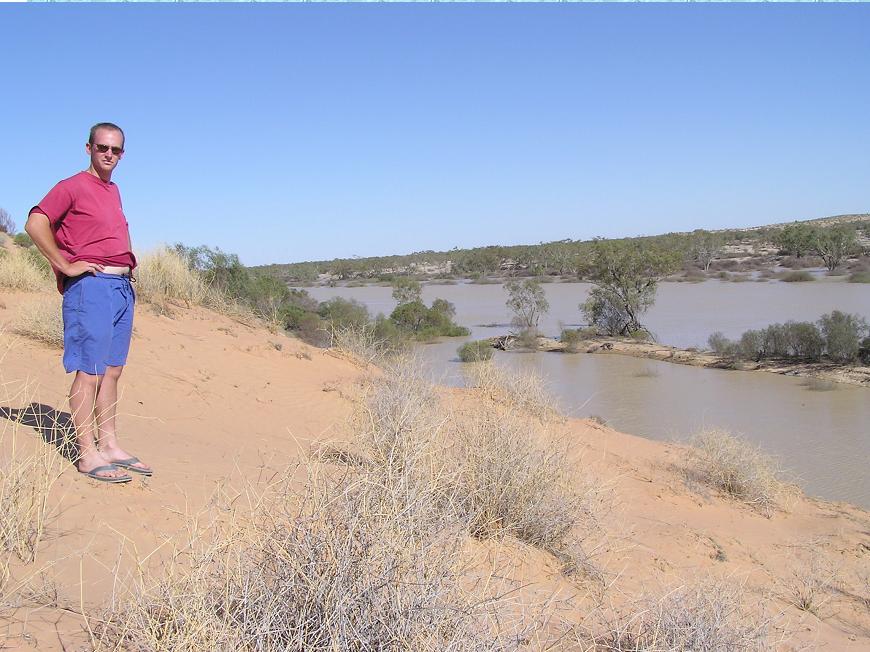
80, 228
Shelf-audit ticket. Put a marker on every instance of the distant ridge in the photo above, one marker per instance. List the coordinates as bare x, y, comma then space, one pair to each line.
818, 221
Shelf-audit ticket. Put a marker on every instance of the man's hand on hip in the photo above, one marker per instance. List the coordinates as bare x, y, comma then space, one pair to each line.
81, 267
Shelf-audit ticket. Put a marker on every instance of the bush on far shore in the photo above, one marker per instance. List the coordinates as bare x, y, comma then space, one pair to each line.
840, 336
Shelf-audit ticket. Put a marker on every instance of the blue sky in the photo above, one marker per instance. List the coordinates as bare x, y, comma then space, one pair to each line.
300, 132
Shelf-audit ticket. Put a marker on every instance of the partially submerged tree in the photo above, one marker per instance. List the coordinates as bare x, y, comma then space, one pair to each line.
407, 290
527, 301
626, 275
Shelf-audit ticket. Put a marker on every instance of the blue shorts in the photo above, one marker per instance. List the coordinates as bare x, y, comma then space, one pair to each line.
97, 322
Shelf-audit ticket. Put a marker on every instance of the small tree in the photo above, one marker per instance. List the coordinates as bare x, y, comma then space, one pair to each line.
843, 334
796, 239
407, 290
834, 244
527, 301
626, 275
704, 246
7, 224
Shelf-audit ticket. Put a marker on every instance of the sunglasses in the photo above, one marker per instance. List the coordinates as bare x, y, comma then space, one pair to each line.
102, 149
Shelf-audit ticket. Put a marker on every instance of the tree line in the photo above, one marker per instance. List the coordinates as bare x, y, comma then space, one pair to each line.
569, 258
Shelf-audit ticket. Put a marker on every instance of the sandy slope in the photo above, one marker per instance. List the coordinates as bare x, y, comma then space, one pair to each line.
206, 399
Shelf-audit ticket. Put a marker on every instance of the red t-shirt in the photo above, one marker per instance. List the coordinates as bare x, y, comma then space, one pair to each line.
88, 222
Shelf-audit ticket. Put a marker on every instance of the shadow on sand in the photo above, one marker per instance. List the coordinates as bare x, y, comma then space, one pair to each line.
55, 427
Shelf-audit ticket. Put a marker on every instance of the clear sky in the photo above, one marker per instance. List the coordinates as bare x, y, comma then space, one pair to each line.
301, 132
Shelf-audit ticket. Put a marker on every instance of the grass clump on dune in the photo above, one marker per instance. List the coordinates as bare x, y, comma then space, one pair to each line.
708, 616
524, 390
164, 275
340, 565
40, 319
736, 468
24, 269
28, 470
515, 478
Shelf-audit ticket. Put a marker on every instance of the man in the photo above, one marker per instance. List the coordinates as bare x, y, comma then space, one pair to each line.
80, 228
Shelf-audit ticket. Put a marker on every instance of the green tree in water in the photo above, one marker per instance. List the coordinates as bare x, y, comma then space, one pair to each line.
626, 275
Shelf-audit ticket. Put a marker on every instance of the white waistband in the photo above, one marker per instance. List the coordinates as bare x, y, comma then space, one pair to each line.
117, 271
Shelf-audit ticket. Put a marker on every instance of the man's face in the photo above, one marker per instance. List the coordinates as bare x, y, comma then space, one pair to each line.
106, 150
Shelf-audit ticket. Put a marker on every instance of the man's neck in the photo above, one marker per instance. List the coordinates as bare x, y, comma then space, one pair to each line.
91, 170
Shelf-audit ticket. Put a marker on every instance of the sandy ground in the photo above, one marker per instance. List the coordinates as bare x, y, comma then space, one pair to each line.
208, 401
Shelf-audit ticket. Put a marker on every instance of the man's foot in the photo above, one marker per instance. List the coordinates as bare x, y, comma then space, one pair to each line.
97, 467
97, 474
121, 458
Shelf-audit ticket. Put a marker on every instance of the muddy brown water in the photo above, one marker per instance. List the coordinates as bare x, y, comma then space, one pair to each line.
821, 437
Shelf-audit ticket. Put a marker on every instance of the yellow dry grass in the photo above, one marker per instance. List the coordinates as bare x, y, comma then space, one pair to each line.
40, 319
24, 269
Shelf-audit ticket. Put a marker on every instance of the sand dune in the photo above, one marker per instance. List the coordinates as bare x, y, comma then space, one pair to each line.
212, 402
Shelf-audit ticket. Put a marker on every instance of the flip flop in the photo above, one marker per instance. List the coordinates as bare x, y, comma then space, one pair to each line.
127, 465
102, 478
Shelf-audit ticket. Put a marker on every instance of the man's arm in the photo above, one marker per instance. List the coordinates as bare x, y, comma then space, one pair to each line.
39, 229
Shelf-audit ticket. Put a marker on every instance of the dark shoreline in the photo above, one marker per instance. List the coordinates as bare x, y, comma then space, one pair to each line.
826, 371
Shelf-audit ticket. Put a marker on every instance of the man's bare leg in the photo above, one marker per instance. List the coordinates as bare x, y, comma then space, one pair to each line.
105, 407
82, 399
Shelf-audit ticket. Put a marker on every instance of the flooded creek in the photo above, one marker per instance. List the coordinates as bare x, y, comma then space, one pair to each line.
821, 437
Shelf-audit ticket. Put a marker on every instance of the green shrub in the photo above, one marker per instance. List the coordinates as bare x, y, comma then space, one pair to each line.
751, 345
311, 329
797, 277
475, 351
721, 345
804, 340
843, 334
571, 338
775, 343
22, 240
427, 323
527, 338
859, 277
343, 312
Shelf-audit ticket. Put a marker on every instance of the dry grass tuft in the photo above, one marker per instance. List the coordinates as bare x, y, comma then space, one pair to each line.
812, 583
40, 319
515, 478
28, 470
492, 470
163, 275
736, 468
164, 278
522, 390
360, 343
704, 617
333, 567
24, 269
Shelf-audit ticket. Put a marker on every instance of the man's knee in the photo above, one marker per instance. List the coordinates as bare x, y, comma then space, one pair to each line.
113, 373
84, 379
